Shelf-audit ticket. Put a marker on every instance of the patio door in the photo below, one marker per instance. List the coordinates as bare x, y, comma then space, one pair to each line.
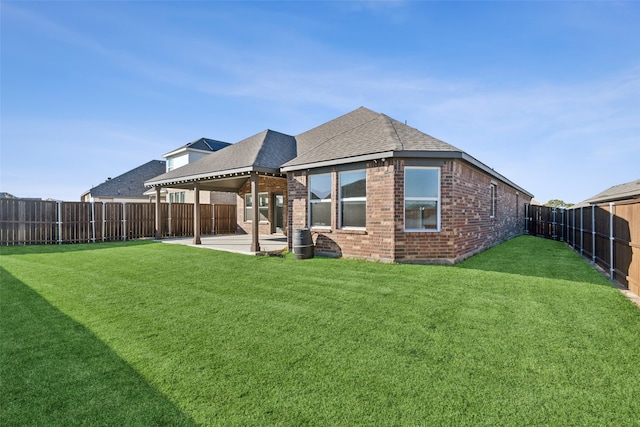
278, 213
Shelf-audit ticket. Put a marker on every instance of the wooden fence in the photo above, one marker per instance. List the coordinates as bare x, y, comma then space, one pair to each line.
28, 222
224, 219
606, 234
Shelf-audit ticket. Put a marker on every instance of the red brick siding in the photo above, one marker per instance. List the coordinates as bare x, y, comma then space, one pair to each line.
426, 246
465, 228
475, 229
376, 242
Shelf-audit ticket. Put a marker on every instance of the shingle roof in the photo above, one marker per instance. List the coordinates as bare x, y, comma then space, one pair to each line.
362, 132
203, 144
129, 184
265, 151
353, 137
628, 190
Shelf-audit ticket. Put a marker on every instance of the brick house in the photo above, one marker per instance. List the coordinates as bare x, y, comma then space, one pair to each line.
367, 186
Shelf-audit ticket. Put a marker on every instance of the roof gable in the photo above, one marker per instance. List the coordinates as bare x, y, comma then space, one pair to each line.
202, 144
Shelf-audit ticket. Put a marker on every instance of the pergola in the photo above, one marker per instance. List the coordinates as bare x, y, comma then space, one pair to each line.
226, 182
227, 170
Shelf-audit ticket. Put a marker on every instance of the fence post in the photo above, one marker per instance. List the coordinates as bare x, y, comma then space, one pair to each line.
573, 230
59, 203
563, 211
104, 220
553, 223
611, 239
170, 221
581, 229
124, 221
593, 233
93, 222
526, 217
22, 218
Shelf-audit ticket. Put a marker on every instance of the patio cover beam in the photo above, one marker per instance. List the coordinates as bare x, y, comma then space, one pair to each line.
196, 214
255, 238
158, 219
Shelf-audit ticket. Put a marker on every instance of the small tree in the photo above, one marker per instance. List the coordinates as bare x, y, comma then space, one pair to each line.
557, 203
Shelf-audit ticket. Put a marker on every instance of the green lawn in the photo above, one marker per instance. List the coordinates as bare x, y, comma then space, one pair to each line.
154, 334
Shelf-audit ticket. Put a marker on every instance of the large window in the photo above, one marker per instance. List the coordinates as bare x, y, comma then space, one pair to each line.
353, 199
320, 200
263, 207
421, 199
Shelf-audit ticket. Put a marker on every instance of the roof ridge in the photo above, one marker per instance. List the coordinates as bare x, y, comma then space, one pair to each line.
399, 145
206, 142
326, 141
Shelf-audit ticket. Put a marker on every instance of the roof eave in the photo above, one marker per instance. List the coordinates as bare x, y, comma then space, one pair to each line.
212, 175
335, 162
409, 154
187, 149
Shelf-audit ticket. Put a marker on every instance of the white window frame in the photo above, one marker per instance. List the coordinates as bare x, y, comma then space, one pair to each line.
263, 207
249, 218
350, 199
425, 199
325, 200
493, 199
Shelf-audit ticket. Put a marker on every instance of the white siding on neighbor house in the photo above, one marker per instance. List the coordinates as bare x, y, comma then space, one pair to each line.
196, 156
174, 162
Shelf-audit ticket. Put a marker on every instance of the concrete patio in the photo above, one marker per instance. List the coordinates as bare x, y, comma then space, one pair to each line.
237, 243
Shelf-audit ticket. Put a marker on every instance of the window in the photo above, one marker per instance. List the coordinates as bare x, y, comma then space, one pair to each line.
353, 199
421, 199
177, 197
263, 207
493, 189
169, 165
320, 200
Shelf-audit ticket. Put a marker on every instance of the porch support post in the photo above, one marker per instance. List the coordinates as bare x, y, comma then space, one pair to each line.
158, 234
255, 238
196, 214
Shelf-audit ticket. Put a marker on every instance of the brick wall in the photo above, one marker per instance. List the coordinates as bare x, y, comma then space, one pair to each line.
374, 243
466, 223
475, 229
266, 184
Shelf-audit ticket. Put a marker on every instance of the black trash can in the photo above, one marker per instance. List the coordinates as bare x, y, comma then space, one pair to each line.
302, 244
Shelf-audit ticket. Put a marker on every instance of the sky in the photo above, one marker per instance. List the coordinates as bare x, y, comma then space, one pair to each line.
547, 93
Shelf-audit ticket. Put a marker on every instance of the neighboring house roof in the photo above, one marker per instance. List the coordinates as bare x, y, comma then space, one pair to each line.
263, 152
129, 184
4, 195
628, 190
202, 144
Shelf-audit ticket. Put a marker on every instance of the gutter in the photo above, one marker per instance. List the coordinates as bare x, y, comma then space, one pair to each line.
230, 173
409, 154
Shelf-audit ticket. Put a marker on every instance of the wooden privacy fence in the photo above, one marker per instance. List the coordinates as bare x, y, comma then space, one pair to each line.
27, 222
606, 234
224, 219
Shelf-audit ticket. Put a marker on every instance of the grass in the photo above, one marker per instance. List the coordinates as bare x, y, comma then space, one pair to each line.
144, 333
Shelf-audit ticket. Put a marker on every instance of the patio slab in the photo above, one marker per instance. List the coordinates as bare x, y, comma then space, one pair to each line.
237, 243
